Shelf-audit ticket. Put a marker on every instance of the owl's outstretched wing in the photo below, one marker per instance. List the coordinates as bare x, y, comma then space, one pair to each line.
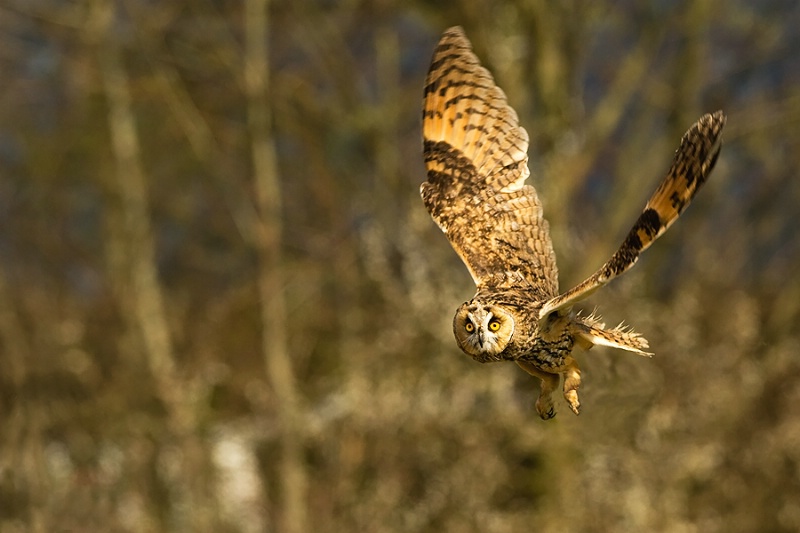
694, 160
477, 163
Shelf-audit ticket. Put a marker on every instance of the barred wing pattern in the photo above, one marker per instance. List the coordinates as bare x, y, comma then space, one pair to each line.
477, 163
694, 160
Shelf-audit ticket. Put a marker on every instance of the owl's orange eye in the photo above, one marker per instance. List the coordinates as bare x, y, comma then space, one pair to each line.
494, 325
470, 327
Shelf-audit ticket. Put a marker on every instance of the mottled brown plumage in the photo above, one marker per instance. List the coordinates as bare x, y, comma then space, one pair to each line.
477, 163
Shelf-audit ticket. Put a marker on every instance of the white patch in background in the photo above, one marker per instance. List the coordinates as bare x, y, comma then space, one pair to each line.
240, 491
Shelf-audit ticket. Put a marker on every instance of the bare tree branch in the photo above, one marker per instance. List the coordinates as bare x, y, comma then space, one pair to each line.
271, 265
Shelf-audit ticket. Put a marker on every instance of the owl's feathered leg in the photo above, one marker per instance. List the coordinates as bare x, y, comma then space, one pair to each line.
544, 405
572, 380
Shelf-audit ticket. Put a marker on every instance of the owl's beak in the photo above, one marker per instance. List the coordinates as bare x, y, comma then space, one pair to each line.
480, 337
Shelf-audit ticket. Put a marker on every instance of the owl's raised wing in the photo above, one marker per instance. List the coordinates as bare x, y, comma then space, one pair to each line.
694, 160
477, 163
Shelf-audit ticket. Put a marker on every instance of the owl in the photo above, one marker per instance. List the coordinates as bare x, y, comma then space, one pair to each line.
477, 165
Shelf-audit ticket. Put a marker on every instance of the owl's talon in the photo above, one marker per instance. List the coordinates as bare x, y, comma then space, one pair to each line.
572, 400
545, 408
572, 380
549, 383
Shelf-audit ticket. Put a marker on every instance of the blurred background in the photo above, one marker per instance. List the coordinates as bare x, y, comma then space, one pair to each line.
223, 306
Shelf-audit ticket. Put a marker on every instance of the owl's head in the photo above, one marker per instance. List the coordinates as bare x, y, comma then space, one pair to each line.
483, 330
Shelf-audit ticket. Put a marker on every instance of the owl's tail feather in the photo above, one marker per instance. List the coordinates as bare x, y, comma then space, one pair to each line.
590, 331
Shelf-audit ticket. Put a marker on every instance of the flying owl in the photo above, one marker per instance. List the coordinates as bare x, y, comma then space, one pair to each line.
476, 159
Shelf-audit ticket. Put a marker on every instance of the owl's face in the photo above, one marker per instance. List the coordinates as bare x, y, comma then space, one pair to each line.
483, 330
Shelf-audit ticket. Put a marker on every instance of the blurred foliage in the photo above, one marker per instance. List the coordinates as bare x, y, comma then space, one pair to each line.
175, 358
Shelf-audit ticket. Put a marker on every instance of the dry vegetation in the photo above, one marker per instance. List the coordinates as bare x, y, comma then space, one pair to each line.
224, 308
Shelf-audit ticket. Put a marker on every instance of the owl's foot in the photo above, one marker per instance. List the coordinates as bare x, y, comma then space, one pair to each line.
544, 405
572, 400
572, 380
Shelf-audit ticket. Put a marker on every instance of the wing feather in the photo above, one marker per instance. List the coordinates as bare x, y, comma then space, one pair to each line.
694, 160
477, 163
